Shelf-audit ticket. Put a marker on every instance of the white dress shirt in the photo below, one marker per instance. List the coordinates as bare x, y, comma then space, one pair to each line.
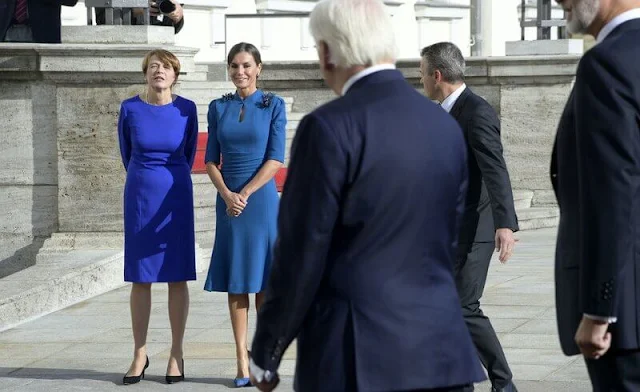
363, 73
449, 101
604, 32
617, 21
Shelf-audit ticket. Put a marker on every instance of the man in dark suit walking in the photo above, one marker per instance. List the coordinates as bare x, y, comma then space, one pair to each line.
489, 219
31, 20
595, 171
369, 216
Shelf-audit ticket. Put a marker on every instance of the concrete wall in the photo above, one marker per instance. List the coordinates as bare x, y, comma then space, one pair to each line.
28, 179
60, 169
528, 93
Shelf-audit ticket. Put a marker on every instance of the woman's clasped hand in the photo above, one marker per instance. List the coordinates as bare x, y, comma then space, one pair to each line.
235, 202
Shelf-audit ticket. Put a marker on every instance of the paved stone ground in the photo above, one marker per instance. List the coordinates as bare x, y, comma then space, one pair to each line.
87, 347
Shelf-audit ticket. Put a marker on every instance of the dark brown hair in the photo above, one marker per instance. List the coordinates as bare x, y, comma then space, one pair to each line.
244, 47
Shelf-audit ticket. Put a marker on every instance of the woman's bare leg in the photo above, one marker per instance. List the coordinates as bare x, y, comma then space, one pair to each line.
239, 311
140, 304
178, 312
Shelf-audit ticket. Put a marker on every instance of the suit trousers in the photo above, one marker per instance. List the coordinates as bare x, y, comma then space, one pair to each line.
460, 388
471, 268
615, 372
19, 33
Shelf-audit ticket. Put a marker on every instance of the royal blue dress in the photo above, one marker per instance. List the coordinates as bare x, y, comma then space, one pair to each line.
158, 145
242, 251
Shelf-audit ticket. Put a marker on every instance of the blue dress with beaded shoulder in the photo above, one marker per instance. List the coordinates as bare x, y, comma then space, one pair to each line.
243, 134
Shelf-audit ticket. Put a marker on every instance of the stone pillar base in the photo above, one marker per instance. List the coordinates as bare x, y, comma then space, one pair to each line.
545, 47
110, 34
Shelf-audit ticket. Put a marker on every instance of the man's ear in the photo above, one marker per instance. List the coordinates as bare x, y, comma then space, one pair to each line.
437, 75
325, 52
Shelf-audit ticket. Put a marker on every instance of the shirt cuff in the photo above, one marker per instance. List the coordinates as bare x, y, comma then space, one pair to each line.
609, 320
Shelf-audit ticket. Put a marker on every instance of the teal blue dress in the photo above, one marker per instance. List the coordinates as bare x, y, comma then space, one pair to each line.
242, 251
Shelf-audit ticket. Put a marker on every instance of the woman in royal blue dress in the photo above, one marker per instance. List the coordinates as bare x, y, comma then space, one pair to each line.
247, 135
158, 132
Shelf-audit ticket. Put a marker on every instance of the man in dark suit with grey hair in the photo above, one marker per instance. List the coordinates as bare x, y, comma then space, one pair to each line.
489, 219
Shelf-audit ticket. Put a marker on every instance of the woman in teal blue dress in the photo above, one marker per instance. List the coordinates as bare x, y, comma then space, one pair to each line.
245, 149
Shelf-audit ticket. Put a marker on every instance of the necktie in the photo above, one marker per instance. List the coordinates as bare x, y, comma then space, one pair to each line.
21, 13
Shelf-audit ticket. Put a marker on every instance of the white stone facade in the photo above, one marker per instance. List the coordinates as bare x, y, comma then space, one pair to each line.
213, 26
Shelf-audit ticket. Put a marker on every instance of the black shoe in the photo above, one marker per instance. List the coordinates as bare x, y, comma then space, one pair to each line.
126, 380
507, 388
175, 379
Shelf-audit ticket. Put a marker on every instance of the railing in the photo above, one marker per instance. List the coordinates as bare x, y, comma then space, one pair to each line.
543, 21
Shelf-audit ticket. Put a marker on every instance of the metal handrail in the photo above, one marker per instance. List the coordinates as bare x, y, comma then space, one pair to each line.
543, 21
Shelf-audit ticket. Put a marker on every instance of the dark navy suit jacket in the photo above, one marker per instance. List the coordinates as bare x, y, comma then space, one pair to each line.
362, 274
44, 18
595, 171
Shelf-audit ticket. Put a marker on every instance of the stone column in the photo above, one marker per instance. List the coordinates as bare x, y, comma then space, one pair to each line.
204, 28
500, 23
443, 22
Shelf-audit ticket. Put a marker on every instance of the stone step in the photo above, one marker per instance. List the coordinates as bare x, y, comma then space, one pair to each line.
204, 193
206, 85
295, 116
62, 279
205, 218
194, 77
537, 217
80, 241
203, 97
205, 240
522, 198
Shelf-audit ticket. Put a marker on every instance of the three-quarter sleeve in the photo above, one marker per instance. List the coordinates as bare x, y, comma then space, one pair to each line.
213, 145
192, 135
278, 132
124, 136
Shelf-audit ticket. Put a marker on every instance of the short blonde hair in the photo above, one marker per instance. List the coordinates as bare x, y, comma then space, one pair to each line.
166, 57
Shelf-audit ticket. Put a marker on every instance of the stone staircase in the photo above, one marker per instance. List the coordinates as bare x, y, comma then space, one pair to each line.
69, 268
532, 216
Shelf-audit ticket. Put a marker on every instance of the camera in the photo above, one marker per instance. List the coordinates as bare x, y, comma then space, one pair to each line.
166, 6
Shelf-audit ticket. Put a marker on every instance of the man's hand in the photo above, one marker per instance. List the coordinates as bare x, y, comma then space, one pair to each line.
265, 386
592, 337
505, 242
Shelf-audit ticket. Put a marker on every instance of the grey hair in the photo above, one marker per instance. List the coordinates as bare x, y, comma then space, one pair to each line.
357, 32
447, 58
